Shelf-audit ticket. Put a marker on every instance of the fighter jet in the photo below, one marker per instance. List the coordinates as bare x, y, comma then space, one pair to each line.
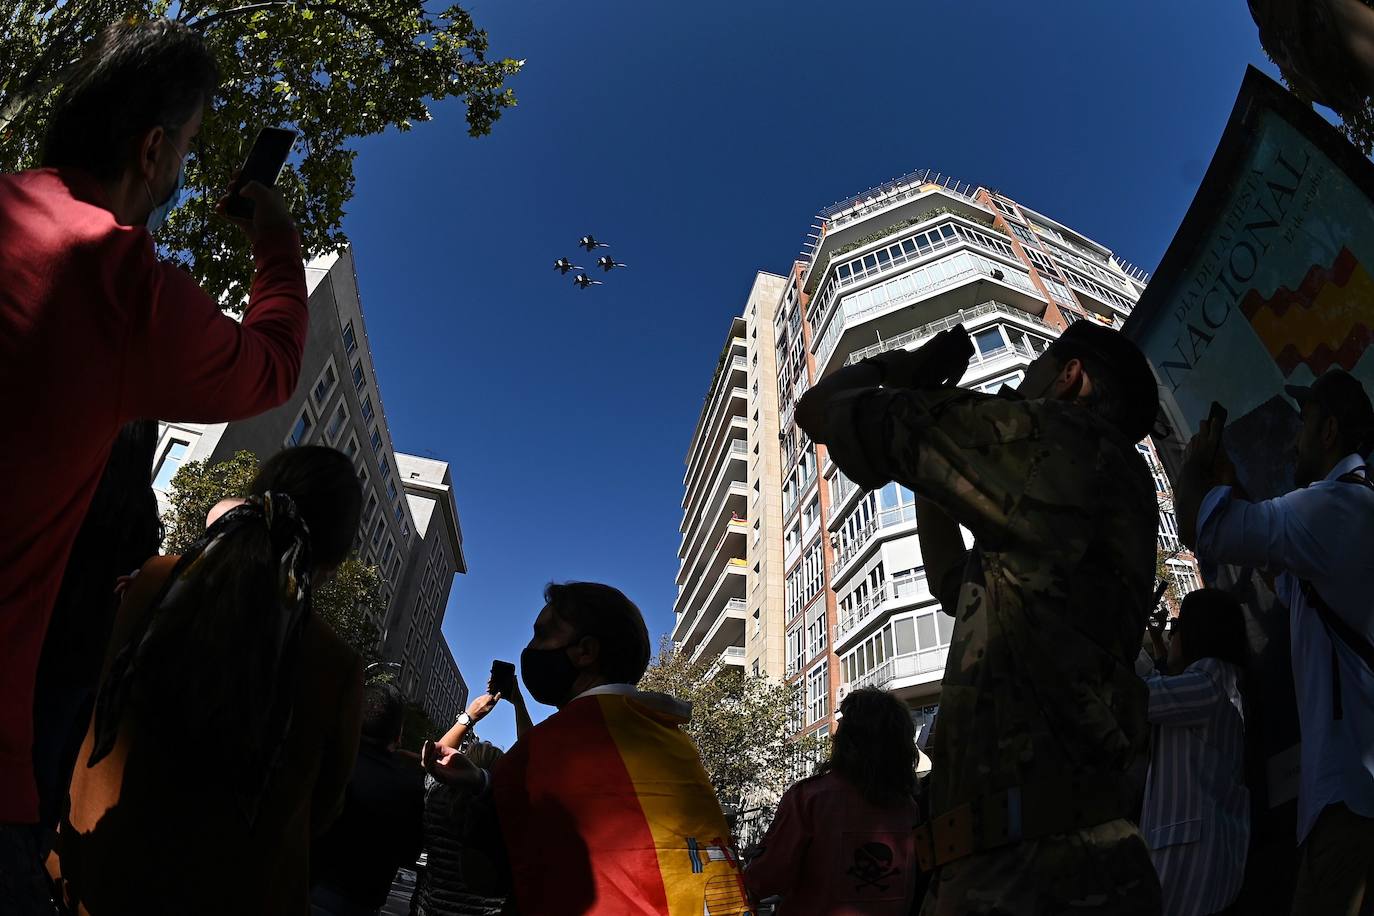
563, 265
583, 281
608, 263
591, 244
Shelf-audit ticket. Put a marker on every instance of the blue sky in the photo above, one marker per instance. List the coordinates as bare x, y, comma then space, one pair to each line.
699, 139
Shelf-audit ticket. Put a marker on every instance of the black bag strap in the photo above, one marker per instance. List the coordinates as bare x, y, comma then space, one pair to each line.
1336, 628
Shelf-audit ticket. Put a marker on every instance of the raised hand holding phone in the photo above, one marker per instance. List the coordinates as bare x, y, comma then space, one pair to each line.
252, 200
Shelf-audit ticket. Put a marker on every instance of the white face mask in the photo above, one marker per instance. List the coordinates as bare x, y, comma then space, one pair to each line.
160, 211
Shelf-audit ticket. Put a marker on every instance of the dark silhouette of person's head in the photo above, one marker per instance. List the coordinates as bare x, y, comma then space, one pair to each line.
875, 747
384, 713
1337, 420
1102, 370
325, 488
586, 635
1210, 624
136, 80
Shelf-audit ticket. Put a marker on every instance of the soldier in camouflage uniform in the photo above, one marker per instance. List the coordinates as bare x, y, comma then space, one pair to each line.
1041, 713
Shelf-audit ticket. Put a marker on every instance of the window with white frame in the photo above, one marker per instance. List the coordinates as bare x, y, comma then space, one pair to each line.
350, 339
1042, 263
325, 384
1025, 235
816, 631
818, 692
1168, 531
1156, 471
338, 422
813, 571
300, 430
811, 515
1185, 577
173, 455
795, 644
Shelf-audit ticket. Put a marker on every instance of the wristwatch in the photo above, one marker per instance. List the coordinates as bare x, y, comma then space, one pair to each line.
465, 719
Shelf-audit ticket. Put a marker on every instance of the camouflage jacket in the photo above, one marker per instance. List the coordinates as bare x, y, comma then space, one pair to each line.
1039, 687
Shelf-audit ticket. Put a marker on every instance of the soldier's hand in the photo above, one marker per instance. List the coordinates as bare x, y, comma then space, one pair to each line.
942, 361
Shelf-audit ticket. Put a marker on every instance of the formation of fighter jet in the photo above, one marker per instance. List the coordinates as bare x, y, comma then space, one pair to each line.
564, 266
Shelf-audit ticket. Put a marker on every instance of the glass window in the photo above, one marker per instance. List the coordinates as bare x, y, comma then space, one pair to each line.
989, 341
171, 463
388, 550
905, 632
376, 439
400, 513
925, 631
371, 507
391, 490
386, 469
351, 449
946, 625
367, 408
358, 378
350, 339
378, 530
301, 431
323, 387
336, 422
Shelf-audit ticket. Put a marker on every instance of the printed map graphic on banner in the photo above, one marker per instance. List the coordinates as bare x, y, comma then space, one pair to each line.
1269, 282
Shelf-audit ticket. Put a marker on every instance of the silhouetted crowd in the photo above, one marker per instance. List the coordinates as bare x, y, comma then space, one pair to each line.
180, 734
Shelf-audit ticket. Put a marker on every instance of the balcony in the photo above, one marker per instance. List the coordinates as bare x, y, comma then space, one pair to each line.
727, 585
733, 404
726, 631
925, 295
897, 592
900, 516
902, 672
914, 338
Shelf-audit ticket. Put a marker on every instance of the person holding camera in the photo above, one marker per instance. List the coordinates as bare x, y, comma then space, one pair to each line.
1319, 539
1041, 712
96, 330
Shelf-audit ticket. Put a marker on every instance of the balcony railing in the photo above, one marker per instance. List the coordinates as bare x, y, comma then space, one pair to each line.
733, 652
900, 667
915, 335
909, 587
978, 266
737, 604
887, 518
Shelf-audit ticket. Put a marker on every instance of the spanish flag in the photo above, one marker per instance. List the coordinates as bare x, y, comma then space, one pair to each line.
605, 809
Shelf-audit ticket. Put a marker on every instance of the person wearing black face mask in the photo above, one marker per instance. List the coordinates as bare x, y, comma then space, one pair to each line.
604, 807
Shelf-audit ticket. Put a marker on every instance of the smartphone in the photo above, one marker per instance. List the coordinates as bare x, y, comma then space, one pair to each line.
502, 677
263, 165
1216, 419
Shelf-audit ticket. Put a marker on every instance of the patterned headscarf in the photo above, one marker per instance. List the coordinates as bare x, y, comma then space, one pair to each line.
269, 721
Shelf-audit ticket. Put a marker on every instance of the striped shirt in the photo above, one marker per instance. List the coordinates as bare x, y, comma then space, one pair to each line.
1196, 817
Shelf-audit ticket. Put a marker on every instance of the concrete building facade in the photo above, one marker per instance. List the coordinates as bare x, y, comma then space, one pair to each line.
338, 403
889, 269
729, 576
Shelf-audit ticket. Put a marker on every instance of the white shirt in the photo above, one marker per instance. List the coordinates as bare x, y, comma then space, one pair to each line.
1323, 533
1196, 817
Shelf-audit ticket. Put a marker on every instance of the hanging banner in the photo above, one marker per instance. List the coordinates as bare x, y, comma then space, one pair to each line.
1267, 283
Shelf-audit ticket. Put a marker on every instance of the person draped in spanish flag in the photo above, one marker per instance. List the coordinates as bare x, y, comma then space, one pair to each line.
604, 807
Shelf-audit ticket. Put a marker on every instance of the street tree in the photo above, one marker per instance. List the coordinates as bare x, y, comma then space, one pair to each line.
349, 600
336, 70
741, 725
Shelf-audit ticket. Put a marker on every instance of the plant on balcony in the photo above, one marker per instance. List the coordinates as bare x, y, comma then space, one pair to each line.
739, 724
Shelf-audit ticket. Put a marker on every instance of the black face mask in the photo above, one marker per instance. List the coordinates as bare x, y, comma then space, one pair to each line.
548, 674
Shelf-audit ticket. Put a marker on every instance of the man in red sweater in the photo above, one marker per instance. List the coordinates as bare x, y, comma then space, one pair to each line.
96, 331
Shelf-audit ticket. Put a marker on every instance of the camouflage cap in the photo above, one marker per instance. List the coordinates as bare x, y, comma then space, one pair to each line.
1127, 367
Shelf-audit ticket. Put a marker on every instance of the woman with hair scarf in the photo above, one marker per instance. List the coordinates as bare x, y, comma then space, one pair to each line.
228, 716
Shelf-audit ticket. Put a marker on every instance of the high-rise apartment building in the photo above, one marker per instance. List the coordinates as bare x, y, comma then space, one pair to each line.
886, 269
729, 565
409, 528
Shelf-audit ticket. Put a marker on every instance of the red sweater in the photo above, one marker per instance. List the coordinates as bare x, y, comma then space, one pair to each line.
96, 331
831, 852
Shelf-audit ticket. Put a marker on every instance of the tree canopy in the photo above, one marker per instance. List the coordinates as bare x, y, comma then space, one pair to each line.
335, 70
739, 724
